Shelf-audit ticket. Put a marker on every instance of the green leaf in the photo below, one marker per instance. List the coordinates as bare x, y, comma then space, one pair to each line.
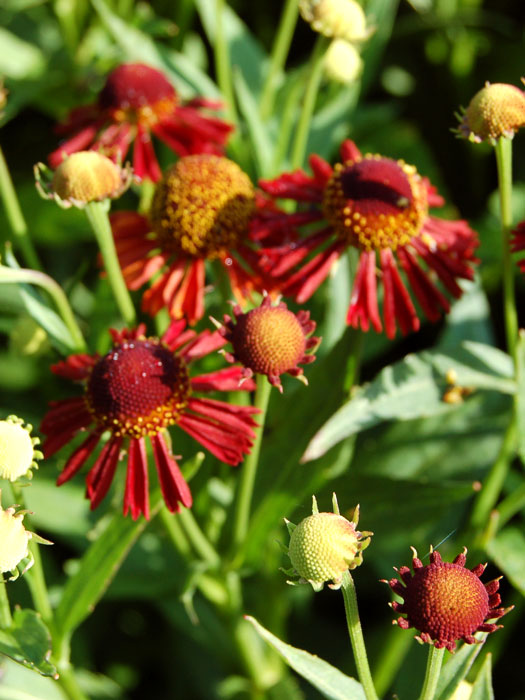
507, 551
520, 393
482, 687
455, 670
18, 58
331, 682
246, 52
138, 46
413, 388
97, 568
28, 642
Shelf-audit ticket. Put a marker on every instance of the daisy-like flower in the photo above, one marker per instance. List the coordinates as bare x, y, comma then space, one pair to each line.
136, 102
17, 449
138, 389
325, 545
380, 207
517, 243
445, 601
270, 340
201, 210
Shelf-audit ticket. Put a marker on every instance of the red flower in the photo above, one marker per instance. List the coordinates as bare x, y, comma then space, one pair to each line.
138, 389
445, 601
201, 210
135, 102
517, 242
379, 206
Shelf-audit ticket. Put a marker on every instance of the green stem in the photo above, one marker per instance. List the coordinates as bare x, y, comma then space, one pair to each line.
97, 215
35, 576
249, 467
310, 96
147, 190
278, 56
196, 536
10, 276
504, 164
174, 531
5, 610
68, 683
223, 64
511, 505
435, 659
489, 494
356, 636
15, 218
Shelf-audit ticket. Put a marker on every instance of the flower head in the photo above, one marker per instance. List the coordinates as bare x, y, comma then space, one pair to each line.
343, 19
446, 602
270, 340
342, 62
136, 102
15, 538
201, 210
17, 449
325, 545
137, 390
496, 110
517, 242
378, 206
85, 176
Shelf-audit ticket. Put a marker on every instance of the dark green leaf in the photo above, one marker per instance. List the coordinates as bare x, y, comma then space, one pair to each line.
507, 551
482, 687
455, 670
28, 642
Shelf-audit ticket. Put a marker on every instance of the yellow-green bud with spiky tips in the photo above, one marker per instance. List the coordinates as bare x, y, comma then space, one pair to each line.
17, 449
496, 110
325, 545
81, 178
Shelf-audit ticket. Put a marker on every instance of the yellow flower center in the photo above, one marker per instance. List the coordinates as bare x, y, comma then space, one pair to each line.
86, 176
202, 206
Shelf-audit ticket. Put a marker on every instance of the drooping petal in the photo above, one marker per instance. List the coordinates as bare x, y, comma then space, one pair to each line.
136, 495
145, 163
223, 380
79, 457
174, 488
397, 304
363, 308
102, 472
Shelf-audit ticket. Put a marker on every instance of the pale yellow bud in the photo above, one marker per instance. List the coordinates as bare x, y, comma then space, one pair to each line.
17, 449
343, 19
342, 62
13, 538
496, 110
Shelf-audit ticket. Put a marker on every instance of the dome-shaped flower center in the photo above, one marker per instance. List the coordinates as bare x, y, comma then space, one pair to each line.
137, 93
446, 601
323, 546
268, 340
202, 206
496, 110
86, 176
138, 388
375, 203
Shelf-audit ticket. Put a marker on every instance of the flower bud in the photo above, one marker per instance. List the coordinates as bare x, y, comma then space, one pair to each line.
325, 545
83, 177
14, 538
343, 19
342, 62
17, 449
496, 110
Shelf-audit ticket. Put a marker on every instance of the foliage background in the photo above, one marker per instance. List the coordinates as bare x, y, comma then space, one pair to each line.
413, 478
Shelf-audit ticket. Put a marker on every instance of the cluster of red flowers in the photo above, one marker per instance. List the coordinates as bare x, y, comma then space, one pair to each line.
205, 208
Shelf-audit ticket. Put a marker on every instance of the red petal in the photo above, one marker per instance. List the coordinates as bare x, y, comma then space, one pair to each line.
102, 472
78, 458
223, 380
174, 488
145, 164
75, 367
226, 444
363, 303
397, 304
136, 494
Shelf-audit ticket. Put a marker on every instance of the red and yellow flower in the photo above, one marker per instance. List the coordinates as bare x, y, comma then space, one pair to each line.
201, 210
136, 102
380, 207
137, 390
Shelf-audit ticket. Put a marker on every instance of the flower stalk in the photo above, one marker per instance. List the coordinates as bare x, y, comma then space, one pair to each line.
5, 609
97, 216
249, 467
435, 659
356, 636
503, 150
